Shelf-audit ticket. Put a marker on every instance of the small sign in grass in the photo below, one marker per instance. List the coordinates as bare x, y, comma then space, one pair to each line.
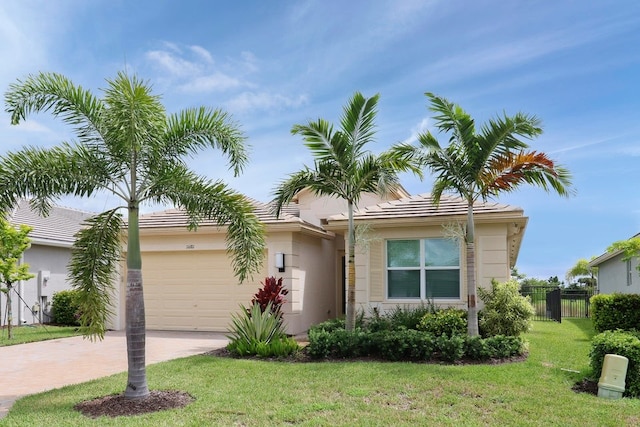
33, 333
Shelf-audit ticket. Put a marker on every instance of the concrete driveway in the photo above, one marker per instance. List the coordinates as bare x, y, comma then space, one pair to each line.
36, 367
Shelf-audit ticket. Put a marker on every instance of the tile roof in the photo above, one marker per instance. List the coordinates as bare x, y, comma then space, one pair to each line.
58, 228
421, 206
178, 217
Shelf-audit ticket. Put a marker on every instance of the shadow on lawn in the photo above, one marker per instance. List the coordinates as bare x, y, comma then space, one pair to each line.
585, 325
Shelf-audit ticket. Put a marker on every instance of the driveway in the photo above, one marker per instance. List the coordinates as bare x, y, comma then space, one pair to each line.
36, 367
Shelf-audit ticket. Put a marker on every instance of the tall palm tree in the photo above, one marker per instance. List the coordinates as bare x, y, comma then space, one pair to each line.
344, 168
128, 146
479, 165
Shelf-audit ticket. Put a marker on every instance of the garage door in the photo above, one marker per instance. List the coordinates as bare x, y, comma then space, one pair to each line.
192, 291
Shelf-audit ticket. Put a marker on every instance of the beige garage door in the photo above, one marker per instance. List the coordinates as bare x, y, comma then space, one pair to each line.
192, 291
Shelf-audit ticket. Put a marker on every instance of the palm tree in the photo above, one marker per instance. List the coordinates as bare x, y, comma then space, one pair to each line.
479, 165
344, 168
128, 146
585, 273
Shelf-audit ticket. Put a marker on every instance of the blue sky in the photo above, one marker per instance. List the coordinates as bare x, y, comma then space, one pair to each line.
574, 64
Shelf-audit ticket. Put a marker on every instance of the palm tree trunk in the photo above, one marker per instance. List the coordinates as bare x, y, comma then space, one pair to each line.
9, 312
350, 323
135, 319
472, 313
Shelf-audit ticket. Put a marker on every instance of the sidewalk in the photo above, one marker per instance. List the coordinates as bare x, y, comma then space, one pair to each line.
36, 367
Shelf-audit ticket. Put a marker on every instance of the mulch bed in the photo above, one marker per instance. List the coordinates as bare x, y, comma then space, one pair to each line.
586, 386
116, 405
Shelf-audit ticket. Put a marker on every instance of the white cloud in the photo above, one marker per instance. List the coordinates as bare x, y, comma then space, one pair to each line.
210, 83
202, 53
265, 101
418, 129
173, 64
33, 126
194, 70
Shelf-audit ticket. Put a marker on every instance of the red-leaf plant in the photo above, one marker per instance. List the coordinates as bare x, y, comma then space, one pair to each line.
272, 292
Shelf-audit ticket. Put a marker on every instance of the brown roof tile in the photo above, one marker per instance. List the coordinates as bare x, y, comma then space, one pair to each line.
421, 205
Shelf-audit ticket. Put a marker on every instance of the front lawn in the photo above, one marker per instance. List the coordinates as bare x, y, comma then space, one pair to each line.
24, 334
261, 393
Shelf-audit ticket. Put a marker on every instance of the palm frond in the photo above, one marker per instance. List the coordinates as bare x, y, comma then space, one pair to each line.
506, 173
94, 260
318, 137
215, 201
46, 174
358, 121
191, 130
287, 189
54, 92
452, 118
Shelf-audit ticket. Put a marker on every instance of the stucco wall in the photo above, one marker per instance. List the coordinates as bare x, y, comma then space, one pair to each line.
310, 266
313, 208
492, 262
612, 276
51, 259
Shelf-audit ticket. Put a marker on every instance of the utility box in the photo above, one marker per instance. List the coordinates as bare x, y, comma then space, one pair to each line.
612, 379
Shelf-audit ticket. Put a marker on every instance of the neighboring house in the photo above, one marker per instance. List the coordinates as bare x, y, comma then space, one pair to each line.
48, 256
616, 275
189, 283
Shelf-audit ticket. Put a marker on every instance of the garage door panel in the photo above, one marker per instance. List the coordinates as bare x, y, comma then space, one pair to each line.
192, 290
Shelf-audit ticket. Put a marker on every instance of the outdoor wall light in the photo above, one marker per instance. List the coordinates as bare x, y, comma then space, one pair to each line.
280, 261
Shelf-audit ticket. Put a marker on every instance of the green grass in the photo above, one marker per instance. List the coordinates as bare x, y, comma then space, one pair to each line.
25, 334
232, 392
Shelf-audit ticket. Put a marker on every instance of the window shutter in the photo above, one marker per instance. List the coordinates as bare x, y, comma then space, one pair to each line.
376, 271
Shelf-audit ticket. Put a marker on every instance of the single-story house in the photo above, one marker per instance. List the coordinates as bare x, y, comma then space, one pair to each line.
48, 256
405, 258
616, 275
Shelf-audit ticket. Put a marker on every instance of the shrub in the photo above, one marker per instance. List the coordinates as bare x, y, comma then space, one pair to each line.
506, 312
338, 343
261, 333
65, 306
477, 349
622, 343
505, 346
403, 344
271, 295
615, 311
409, 317
329, 325
409, 344
450, 348
448, 321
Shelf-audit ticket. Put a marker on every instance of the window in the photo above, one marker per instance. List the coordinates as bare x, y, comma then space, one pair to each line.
629, 272
423, 269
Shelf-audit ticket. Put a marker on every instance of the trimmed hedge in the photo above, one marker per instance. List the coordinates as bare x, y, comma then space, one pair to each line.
622, 343
448, 321
410, 345
615, 311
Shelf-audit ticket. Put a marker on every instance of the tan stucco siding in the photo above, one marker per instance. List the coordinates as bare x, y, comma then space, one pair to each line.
492, 261
492, 254
313, 297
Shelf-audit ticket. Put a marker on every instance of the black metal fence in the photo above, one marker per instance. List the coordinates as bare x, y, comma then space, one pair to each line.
554, 302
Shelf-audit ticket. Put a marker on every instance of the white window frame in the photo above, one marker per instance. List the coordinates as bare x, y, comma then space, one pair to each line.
422, 268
